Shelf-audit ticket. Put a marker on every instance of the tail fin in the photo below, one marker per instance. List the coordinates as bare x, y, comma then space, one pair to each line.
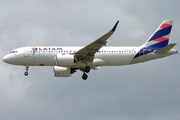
160, 37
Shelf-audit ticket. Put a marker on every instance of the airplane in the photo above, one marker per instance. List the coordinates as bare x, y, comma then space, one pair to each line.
67, 60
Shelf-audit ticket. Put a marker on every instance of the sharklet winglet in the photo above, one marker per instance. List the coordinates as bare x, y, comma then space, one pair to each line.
114, 28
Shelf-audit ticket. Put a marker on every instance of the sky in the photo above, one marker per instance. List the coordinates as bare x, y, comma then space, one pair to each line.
144, 91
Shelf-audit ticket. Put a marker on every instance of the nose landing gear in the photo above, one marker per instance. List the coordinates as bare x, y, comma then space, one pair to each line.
26, 72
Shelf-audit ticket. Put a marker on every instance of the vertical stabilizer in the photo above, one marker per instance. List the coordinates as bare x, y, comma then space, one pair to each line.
160, 37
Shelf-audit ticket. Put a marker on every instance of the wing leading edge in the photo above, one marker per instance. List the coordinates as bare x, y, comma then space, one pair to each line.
88, 51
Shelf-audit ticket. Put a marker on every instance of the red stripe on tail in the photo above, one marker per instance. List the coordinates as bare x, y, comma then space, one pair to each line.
164, 25
161, 39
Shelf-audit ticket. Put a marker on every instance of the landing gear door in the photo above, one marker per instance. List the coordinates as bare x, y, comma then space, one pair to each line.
26, 52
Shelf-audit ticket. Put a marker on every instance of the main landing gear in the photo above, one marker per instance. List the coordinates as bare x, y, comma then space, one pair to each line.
26, 72
86, 70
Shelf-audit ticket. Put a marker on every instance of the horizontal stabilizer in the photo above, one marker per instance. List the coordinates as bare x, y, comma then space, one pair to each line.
166, 48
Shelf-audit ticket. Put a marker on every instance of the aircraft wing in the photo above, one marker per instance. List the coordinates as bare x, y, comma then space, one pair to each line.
89, 50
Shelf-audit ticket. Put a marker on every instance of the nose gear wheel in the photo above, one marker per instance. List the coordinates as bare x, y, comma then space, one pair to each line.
26, 72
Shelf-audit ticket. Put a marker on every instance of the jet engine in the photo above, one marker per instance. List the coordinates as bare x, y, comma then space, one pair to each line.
62, 71
65, 60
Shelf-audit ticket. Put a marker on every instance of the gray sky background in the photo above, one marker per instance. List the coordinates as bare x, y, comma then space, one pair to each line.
145, 91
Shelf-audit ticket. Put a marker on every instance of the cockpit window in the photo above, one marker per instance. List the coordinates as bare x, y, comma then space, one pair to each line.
14, 52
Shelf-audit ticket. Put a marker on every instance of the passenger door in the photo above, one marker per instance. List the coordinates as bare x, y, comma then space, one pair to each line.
26, 52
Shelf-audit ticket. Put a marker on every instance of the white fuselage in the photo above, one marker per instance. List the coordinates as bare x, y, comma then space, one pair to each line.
107, 56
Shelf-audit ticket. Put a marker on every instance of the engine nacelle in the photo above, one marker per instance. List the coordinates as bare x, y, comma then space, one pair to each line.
62, 71
65, 60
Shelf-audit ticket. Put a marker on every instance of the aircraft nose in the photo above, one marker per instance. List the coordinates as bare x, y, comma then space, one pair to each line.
6, 59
